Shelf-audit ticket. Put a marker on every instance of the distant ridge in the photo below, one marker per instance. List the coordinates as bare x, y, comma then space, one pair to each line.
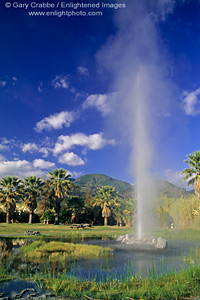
97, 180
93, 181
168, 189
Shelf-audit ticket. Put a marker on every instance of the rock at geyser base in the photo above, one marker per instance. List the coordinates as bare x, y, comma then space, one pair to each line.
161, 243
129, 239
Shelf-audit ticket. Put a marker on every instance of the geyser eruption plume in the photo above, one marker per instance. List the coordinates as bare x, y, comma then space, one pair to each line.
139, 69
142, 157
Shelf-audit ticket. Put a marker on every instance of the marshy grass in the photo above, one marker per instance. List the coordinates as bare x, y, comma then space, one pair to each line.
185, 283
173, 285
59, 251
4, 274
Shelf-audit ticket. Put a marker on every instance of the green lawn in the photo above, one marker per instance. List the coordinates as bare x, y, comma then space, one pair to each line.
62, 231
186, 234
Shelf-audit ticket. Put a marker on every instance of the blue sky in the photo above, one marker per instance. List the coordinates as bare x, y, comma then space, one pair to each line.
65, 86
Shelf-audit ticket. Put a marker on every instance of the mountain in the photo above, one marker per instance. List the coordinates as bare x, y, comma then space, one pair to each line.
93, 181
125, 189
168, 189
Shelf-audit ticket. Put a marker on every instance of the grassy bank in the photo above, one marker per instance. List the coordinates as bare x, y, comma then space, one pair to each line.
174, 286
184, 284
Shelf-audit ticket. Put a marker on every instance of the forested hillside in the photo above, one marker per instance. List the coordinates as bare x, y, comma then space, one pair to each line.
93, 181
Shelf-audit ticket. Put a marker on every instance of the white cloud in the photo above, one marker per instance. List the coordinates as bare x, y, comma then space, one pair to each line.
4, 147
7, 145
40, 86
191, 102
165, 7
2, 158
60, 81
81, 95
83, 71
29, 147
71, 159
44, 151
14, 80
42, 164
100, 101
5, 141
33, 147
20, 168
3, 83
174, 177
76, 174
56, 121
91, 142
24, 168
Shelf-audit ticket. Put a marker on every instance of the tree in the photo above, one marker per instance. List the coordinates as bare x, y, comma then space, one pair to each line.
10, 192
75, 205
32, 187
162, 210
192, 174
59, 185
91, 214
47, 199
124, 211
106, 199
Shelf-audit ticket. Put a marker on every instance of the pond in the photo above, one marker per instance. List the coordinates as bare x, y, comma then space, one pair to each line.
20, 289
127, 260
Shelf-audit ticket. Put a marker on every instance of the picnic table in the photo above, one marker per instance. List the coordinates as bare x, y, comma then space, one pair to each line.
78, 226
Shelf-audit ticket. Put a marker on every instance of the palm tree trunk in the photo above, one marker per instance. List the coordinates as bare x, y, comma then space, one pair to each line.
105, 221
57, 214
7, 218
30, 218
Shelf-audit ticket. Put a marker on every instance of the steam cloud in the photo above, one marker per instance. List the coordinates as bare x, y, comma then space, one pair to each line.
138, 64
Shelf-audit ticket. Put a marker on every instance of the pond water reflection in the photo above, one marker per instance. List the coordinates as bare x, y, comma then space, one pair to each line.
13, 289
127, 260
130, 260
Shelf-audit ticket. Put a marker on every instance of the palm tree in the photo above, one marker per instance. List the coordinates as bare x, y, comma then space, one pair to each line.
75, 205
90, 213
59, 185
192, 174
32, 187
124, 212
9, 193
106, 199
